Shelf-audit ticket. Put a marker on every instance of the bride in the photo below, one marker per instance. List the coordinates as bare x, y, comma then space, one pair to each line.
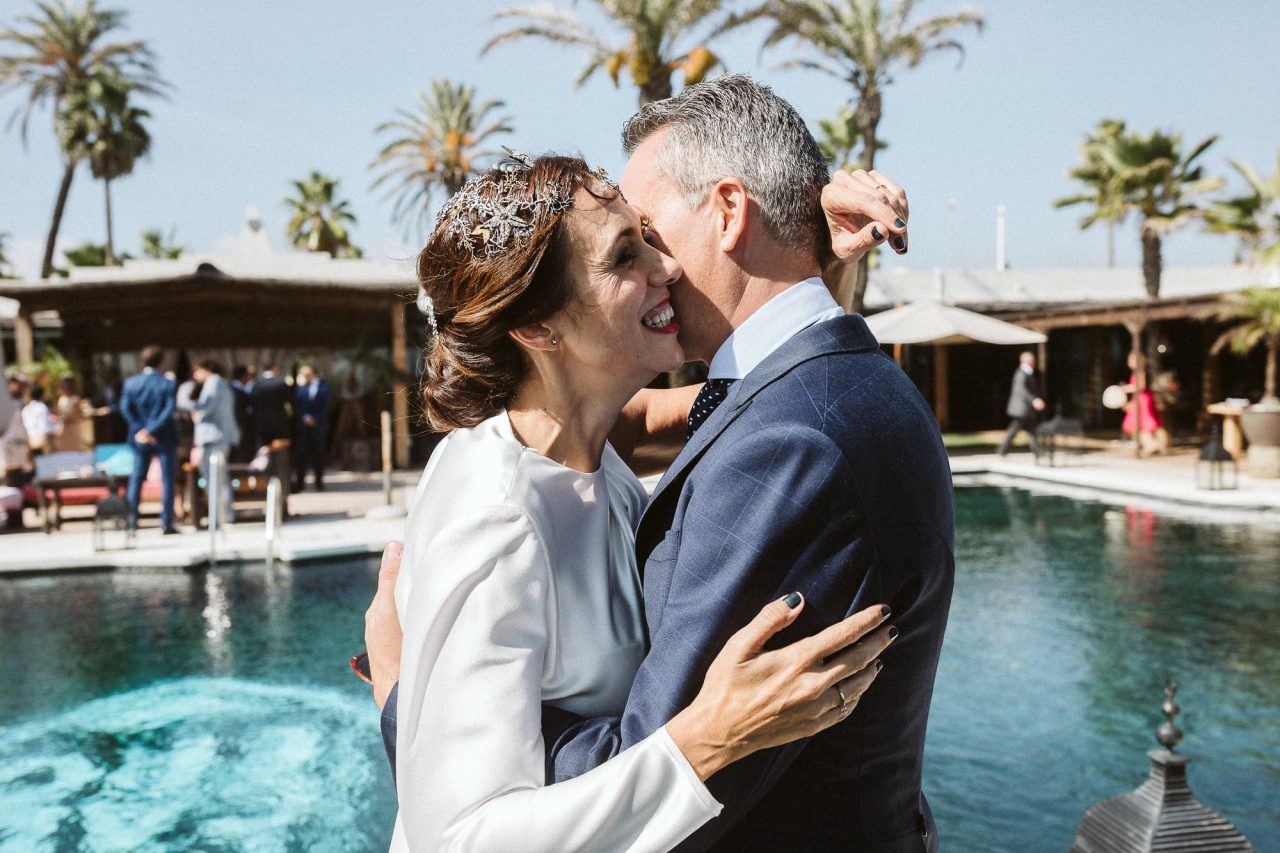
548, 312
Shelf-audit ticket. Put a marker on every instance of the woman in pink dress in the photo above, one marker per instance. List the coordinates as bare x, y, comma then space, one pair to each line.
1142, 419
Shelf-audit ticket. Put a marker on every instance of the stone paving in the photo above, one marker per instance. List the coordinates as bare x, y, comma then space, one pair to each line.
1109, 471
323, 525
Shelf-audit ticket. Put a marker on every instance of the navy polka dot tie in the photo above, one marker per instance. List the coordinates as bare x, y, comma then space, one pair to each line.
708, 399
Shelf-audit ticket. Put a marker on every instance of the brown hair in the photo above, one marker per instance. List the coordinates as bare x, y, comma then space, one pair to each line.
472, 366
152, 357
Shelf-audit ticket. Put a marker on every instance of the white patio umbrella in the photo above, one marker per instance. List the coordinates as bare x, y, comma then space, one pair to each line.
930, 322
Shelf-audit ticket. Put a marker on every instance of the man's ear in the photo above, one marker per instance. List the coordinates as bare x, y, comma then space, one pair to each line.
730, 204
536, 336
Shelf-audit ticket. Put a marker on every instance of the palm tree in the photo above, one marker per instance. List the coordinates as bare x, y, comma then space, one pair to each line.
319, 221
1151, 177
863, 44
48, 52
839, 137
648, 43
1254, 217
437, 147
1257, 312
1097, 176
98, 123
156, 245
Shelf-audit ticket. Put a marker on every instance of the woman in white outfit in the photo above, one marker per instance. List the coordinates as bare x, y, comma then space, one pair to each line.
548, 312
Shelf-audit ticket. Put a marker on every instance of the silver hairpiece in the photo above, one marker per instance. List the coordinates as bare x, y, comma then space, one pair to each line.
428, 309
495, 222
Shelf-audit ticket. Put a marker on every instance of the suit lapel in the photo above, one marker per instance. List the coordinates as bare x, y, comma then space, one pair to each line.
842, 334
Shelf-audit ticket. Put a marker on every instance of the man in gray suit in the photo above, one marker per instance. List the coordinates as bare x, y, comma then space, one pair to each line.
216, 430
1025, 403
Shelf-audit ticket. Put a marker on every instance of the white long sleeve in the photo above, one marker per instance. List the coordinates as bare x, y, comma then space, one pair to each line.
477, 605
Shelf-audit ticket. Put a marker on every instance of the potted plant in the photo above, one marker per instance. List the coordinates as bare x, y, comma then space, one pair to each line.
1256, 312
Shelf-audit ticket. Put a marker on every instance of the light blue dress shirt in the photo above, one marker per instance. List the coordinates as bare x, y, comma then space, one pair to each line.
772, 325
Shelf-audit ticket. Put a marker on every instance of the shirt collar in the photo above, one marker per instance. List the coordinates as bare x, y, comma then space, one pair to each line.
772, 325
1030, 371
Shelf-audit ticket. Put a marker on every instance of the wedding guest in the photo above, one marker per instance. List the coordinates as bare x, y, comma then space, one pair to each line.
147, 403
242, 377
1025, 403
1143, 420
311, 403
270, 399
75, 418
39, 422
16, 457
216, 432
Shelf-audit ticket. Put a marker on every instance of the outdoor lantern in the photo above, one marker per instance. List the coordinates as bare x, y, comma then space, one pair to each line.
1162, 814
1059, 440
112, 525
1217, 468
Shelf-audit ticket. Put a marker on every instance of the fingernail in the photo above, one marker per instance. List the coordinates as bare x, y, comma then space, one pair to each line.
900, 244
879, 665
893, 632
875, 234
793, 600
885, 611
395, 547
898, 223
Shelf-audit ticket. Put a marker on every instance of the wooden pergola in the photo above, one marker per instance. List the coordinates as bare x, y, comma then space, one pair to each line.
197, 305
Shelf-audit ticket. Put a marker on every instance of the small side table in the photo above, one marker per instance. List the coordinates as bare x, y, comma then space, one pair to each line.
52, 510
1232, 436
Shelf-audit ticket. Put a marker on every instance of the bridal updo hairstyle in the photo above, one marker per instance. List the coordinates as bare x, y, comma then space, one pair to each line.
472, 366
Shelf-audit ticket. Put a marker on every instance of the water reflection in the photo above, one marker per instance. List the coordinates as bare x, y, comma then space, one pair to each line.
1068, 615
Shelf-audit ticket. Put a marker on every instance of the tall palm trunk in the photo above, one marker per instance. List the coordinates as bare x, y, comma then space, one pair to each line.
867, 117
59, 207
1152, 265
1111, 244
111, 252
656, 88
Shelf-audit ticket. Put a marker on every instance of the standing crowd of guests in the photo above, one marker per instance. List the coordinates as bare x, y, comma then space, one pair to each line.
248, 419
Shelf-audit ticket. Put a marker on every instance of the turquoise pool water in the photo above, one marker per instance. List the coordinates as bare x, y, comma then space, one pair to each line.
215, 711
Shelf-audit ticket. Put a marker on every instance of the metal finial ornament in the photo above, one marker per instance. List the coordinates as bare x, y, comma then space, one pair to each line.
498, 209
1162, 814
1168, 734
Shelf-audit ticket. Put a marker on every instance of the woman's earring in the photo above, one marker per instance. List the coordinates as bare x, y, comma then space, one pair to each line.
555, 342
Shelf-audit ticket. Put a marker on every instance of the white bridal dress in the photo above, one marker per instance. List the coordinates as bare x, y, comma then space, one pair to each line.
518, 587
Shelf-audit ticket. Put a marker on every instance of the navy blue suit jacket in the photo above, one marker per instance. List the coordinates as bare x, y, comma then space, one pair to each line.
822, 472
318, 407
146, 402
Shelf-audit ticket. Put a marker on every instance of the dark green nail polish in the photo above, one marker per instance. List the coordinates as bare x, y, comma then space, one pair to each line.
885, 611
875, 234
898, 223
899, 243
793, 600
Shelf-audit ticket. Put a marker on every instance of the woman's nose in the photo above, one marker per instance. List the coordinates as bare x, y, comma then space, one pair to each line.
667, 273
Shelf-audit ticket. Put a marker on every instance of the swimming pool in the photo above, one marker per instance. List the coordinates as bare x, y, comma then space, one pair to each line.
215, 710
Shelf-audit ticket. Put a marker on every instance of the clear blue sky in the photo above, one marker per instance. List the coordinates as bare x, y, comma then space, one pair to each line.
266, 91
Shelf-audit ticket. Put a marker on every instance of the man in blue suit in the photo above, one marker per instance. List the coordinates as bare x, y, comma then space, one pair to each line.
146, 403
311, 403
812, 464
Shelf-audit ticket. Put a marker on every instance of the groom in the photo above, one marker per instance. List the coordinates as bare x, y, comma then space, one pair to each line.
812, 464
